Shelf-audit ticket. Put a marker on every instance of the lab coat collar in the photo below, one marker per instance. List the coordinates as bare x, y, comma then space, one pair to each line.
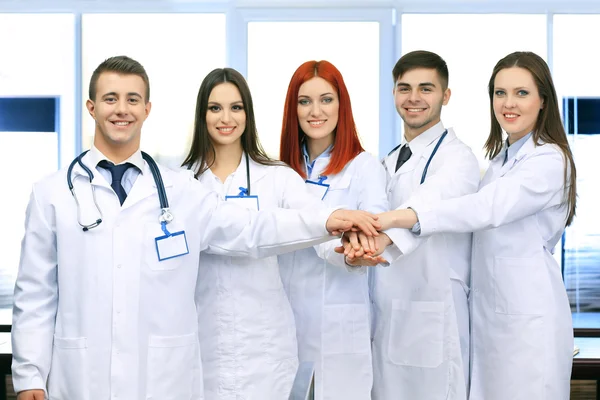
421, 146
145, 186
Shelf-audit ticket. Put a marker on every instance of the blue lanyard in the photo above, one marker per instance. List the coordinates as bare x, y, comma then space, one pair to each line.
437, 146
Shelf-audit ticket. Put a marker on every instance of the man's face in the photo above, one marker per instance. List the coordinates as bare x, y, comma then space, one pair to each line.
419, 97
119, 110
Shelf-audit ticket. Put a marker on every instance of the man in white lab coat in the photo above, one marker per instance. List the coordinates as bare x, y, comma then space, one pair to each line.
420, 311
108, 311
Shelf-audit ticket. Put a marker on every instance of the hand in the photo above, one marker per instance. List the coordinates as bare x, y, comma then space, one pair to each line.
35, 394
353, 250
403, 218
345, 220
358, 241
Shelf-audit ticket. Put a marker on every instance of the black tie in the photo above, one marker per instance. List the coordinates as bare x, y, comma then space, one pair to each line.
117, 172
403, 156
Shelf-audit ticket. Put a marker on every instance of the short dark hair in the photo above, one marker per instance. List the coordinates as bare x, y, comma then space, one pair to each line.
121, 65
421, 59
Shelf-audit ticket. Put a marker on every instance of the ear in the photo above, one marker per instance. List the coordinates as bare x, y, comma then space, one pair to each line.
91, 108
446, 98
147, 108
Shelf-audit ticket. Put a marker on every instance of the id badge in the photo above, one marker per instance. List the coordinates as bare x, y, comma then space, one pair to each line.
249, 202
171, 245
319, 188
243, 200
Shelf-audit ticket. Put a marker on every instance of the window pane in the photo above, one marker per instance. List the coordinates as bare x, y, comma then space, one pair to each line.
177, 51
16, 148
471, 49
353, 47
35, 65
575, 67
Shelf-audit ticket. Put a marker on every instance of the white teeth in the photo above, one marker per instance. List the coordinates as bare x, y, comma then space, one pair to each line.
511, 115
121, 123
316, 123
225, 130
416, 109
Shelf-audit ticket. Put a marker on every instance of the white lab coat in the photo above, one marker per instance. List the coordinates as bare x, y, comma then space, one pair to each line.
522, 334
96, 315
416, 344
246, 324
331, 304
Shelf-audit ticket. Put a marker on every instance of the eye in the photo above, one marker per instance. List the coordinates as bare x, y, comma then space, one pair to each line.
237, 107
326, 100
426, 89
403, 89
134, 100
214, 108
499, 93
110, 99
304, 102
522, 92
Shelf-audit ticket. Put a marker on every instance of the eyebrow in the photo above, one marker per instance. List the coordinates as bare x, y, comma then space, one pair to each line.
321, 95
422, 84
517, 88
234, 102
128, 94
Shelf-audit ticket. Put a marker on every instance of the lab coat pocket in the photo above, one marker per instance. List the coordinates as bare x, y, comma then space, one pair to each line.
171, 366
346, 329
519, 285
68, 378
417, 333
153, 230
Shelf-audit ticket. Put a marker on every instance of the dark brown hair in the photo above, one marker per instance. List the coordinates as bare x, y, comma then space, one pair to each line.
121, 65
421, 59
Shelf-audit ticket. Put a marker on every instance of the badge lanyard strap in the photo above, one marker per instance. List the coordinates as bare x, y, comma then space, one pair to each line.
245, 191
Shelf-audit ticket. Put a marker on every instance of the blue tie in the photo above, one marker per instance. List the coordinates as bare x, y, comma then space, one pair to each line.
117, 172
403, 156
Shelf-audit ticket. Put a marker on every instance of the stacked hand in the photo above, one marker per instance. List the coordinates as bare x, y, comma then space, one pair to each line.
353, 220
364, 249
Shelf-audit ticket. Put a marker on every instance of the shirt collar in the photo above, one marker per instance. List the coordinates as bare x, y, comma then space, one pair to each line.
418, 144
325, 154
136, 158
513, 149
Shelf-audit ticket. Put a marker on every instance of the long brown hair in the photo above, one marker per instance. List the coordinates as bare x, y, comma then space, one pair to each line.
346, 144
548, 127
202, 152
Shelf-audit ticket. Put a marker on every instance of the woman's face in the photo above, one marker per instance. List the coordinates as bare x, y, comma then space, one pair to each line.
225, 115
516, 102
318, 108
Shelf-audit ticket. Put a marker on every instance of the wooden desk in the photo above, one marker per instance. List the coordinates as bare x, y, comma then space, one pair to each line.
586, 364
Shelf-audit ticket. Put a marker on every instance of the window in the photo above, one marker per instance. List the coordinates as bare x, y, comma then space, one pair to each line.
271, 67
177, 51
574, 70
29, 81
471, 47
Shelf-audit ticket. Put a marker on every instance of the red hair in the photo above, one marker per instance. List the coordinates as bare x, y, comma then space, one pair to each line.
346, 144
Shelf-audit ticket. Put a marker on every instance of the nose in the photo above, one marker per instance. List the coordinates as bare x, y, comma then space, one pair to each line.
225, 116
315, 110
510, 101
122, 107
415, 96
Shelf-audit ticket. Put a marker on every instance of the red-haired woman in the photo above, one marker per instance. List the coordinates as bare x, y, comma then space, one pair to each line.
331, 304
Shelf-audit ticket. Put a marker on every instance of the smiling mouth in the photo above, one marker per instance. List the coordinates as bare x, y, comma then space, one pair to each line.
226, 130
316, 123
510, 116
120, 123
414, 110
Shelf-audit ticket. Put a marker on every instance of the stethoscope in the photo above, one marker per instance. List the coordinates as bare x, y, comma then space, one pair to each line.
246, 191
165, 216
435, 149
